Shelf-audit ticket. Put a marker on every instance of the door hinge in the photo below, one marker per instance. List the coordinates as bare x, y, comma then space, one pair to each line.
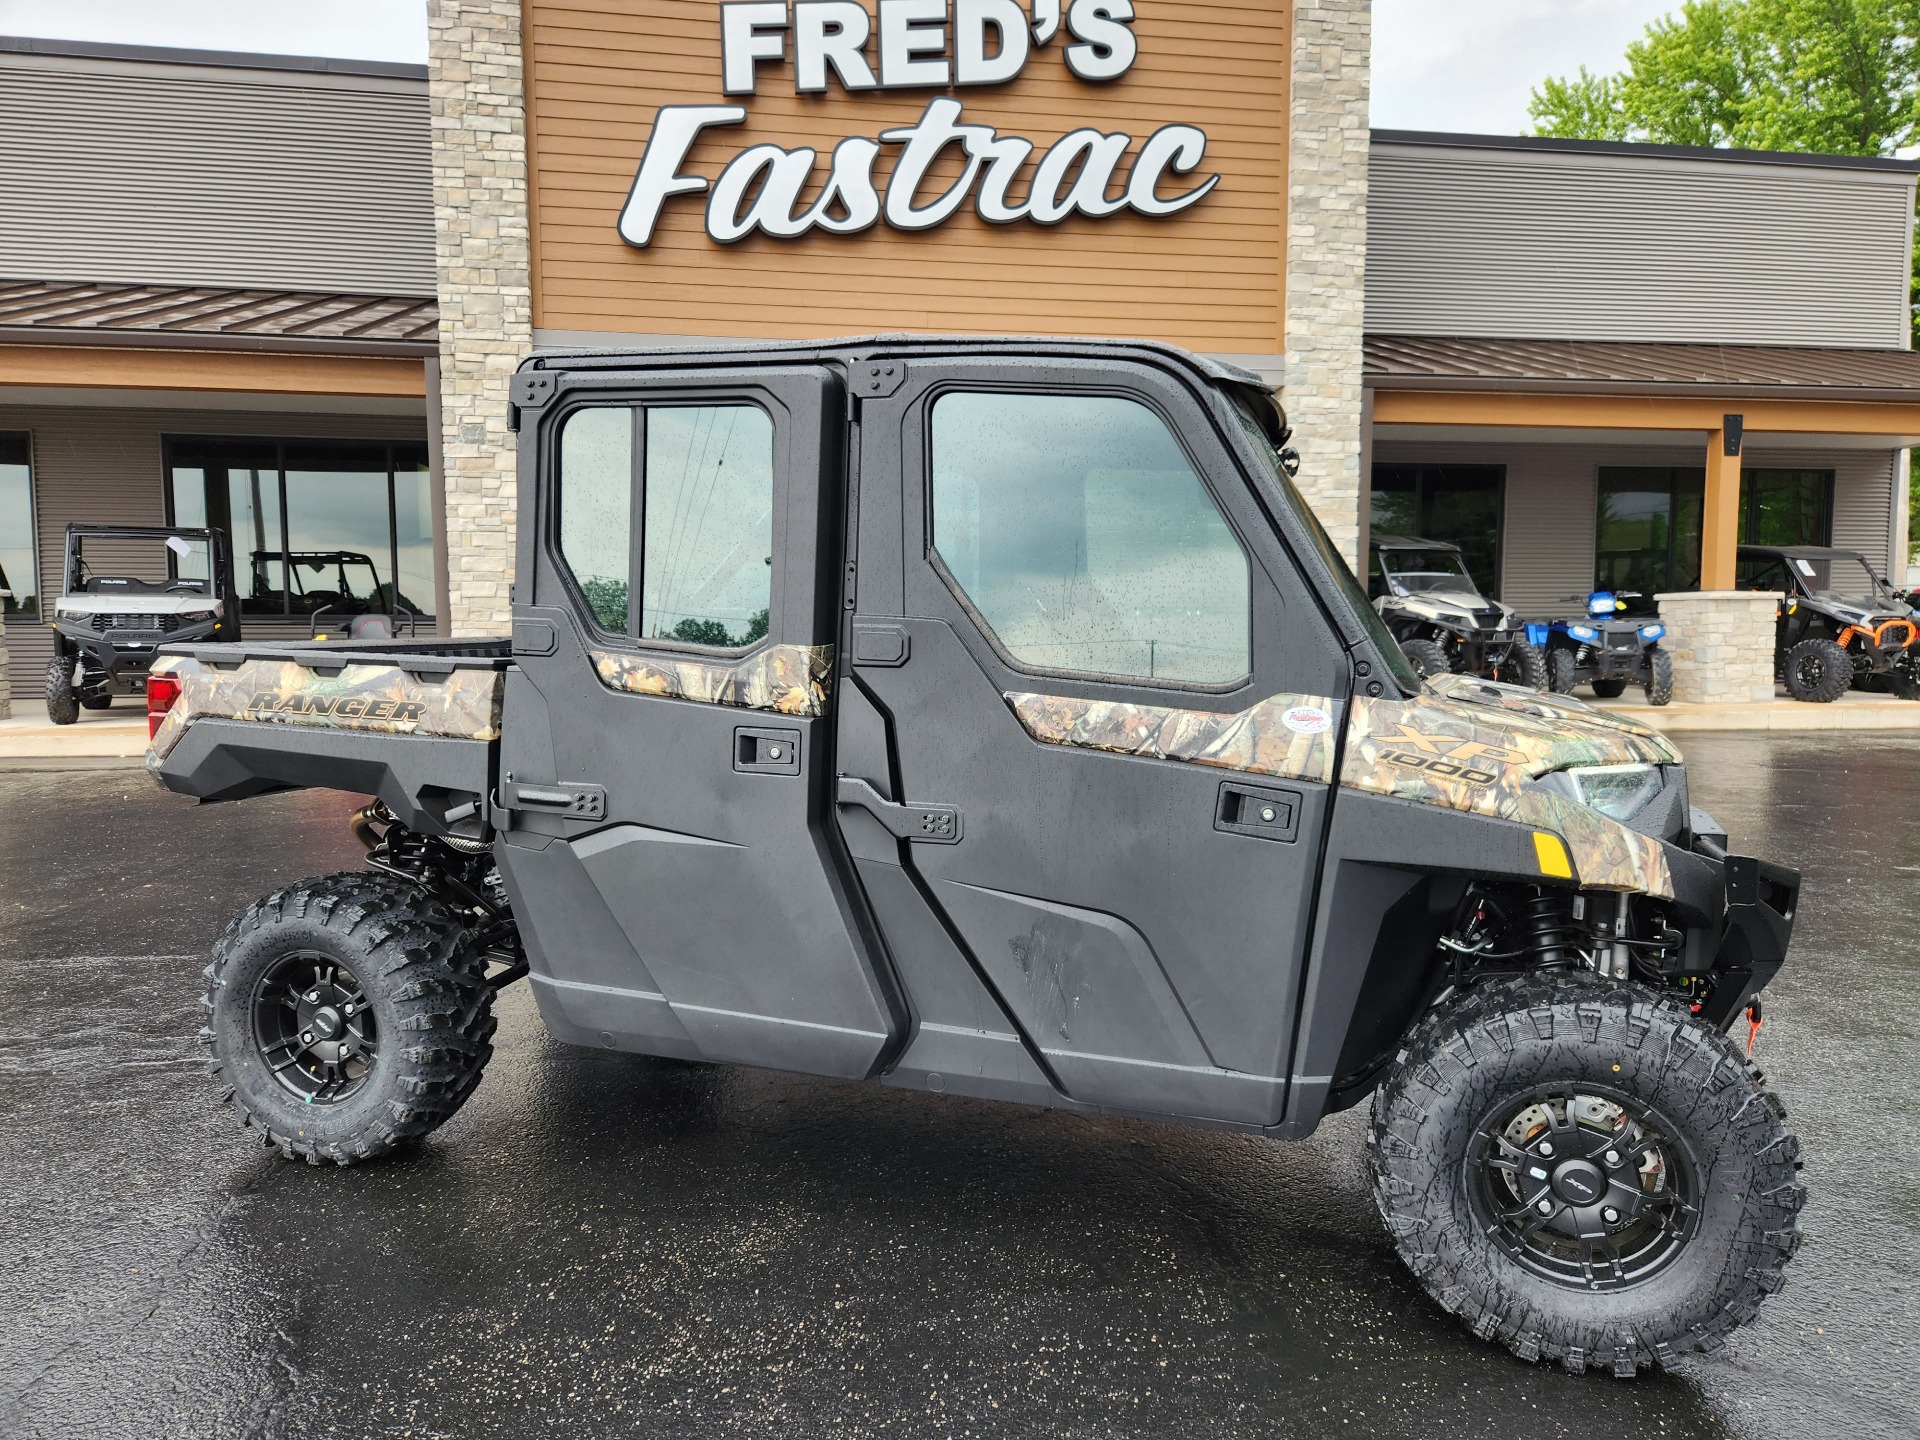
922, 824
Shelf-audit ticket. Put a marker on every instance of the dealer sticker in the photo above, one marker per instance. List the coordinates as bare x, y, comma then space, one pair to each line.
1307, 720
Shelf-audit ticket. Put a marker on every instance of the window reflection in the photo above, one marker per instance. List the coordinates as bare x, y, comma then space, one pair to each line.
17, 567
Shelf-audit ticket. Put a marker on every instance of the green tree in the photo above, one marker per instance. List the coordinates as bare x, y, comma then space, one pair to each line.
1830, 77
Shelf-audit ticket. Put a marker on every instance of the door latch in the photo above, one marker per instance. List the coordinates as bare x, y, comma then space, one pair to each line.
570, 802
1257, 810
921, 824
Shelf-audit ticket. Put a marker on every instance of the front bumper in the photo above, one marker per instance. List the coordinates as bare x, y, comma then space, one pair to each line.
1738, 913
124, 659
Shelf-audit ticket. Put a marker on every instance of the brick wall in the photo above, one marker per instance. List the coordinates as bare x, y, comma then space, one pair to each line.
1327, 257
486, 306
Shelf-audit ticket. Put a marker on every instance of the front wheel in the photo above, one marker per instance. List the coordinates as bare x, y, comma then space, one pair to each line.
1659, 678
1818, 671
1525, 666
1562, 666
63, 704
347, 1015
1585, 1172
1428, 657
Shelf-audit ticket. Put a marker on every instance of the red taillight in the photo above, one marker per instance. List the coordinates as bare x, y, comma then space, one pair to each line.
162, 691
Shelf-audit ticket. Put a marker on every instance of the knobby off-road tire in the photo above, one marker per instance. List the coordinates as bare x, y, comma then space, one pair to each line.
1659, 678
63, 705
1561, 668
1727, 1148
1428, 657
404, 982
1609, 689
1525, 667
98, 700
1818, 671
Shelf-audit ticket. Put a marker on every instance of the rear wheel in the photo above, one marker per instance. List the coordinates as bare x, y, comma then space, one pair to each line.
1659, 678
1609, 689
1562, 666
347, 1015
1818, 671
101, 699
63, 705
1585, 1172
1428, 657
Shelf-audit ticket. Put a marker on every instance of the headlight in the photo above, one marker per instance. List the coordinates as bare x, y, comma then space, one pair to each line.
1617, 791
1583, 632
1651, 633
1447, 617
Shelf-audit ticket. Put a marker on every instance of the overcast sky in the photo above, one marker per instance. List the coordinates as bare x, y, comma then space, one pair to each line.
1437, 64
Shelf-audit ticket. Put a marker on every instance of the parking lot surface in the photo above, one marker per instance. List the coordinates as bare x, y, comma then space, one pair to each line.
609, 1246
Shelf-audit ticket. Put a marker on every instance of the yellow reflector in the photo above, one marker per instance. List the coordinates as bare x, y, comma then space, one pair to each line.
1551, 851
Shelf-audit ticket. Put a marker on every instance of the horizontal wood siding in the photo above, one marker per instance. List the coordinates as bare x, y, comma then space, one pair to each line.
200, 175
1546, 245
1210, 277
105, 467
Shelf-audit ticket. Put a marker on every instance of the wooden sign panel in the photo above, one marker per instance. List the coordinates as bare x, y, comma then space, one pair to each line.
807, 168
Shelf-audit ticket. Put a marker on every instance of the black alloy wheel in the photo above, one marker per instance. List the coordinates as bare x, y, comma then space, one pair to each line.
314, 1028
1584, 1186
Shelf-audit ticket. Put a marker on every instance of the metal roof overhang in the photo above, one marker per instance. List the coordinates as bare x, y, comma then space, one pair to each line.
1567, 390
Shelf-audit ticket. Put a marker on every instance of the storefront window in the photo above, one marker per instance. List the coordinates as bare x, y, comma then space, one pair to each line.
1459, 504
16, 525
1648, 532
314, 525
1786, 507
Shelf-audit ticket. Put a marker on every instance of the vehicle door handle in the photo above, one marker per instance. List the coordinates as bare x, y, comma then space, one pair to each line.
921, 824
575, 802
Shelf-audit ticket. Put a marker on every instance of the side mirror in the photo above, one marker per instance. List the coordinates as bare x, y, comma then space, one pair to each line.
1290, 462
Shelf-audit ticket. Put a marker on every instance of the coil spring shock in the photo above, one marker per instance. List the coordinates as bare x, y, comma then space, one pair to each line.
1547, 928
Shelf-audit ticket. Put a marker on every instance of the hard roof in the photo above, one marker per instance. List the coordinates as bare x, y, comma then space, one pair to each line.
1808, 552
1409, 542
1443, 362
42, 312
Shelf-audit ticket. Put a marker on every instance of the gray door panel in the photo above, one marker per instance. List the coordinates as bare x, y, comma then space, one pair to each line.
714, 856
1147, 950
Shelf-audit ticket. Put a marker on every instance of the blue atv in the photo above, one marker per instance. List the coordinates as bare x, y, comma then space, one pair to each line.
1614, 645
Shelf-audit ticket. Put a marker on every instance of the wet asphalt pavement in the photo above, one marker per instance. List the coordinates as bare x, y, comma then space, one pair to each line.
607, 1246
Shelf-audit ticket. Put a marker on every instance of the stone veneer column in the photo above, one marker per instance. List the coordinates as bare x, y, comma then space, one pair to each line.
486, 304
1722, 645
1327, 257
6, 704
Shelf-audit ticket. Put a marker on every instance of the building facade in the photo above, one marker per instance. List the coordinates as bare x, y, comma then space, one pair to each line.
287, 296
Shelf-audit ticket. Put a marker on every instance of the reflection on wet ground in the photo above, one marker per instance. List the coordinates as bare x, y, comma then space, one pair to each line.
613, 1246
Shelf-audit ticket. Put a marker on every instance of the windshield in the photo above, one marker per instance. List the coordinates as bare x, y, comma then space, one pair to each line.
1412, 571
1841, 580
1356, 596
141, 565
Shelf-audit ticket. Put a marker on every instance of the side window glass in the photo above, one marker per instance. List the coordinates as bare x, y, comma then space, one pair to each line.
596, 509
702, 499
709, 525
1084, 539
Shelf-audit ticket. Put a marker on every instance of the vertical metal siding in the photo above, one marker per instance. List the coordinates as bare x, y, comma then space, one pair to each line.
1545, 245
105, 467
194, 175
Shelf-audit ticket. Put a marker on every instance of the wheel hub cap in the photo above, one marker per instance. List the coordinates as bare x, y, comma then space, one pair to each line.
312, 1027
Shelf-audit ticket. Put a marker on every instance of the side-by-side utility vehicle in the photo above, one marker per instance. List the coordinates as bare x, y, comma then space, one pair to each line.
993, 718
1424, 594
1841, 623
127, 590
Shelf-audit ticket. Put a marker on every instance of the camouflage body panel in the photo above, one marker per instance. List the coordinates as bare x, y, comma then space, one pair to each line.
377, 699
1467, 744
785, 679
1258, 741
1464, 744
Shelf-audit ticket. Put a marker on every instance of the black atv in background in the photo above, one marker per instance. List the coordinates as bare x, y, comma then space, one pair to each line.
127, 590
1841, 624
1614, 645
1423, 592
